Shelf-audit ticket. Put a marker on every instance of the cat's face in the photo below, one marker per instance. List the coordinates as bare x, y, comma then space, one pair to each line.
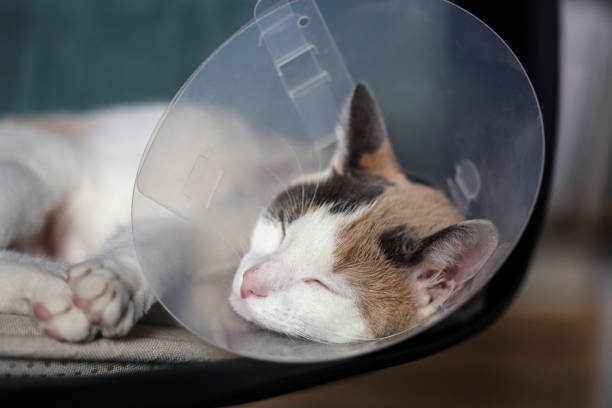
357, 252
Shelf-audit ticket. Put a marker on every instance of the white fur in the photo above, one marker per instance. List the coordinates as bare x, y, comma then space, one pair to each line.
88, 184
293, 306
32, 181
111, 153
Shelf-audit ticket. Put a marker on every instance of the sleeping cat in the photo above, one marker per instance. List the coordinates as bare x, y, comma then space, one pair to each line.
367, 254
357, 252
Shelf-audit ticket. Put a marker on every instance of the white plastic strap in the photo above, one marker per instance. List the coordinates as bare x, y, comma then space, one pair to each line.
308, 63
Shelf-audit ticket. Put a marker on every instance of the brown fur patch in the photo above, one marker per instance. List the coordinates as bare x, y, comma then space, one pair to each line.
382, 285
67, 126
382, 162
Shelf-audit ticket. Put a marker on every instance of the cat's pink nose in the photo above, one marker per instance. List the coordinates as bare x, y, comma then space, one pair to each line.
251, 285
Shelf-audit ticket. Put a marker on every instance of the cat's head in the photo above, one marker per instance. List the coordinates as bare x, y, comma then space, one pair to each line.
357, 252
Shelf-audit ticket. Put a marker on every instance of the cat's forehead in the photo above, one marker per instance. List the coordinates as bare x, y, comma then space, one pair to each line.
391, 202
403, 214
340, 194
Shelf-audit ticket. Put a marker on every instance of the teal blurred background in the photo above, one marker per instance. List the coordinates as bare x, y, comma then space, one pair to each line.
75, 55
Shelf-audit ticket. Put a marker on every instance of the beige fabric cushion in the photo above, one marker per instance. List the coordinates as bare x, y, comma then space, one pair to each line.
25, 350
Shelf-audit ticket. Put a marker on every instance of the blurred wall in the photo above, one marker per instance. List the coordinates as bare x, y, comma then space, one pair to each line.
582, 187
74, 55
79, 54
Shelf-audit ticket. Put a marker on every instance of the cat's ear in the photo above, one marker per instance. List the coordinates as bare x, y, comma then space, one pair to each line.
450, 257
364, 143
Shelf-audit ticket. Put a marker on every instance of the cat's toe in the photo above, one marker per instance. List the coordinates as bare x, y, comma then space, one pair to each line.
53, 334
90, 290
71, 326
122, 325
58, 316
112, 306
104, 298
81, 270
42, 313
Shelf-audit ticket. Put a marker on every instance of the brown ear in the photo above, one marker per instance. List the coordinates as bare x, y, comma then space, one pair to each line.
450, 257
365, 144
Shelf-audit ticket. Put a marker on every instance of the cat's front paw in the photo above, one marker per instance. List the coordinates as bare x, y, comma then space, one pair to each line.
58, 316
105, 299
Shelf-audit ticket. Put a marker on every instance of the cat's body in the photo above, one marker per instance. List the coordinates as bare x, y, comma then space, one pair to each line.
368, 254
66, 184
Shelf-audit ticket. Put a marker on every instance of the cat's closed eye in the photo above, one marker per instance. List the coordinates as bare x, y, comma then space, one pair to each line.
317, 282
283, 232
